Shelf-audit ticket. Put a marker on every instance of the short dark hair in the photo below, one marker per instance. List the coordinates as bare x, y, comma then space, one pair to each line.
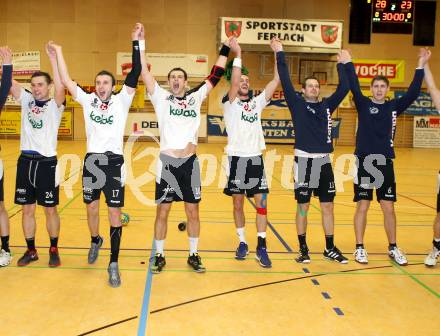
42, 74
307, 78
107, 73
380, 78
185, 75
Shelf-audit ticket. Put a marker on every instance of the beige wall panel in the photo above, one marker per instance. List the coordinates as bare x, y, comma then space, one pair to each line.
198, 43
153, 11
79, 70
40, 11
128, 11
274, 8
3, 33
122, 41
105, 40
176, 12
169, 38
225, 8
107, 11
62, 11
84, 38
198, 12
64, 35
39, 35
252, 8
104, 61
17, 11
3, 12
17, 37
85, 11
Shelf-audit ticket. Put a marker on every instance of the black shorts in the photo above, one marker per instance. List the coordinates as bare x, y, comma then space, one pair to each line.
246, 176
106, 173
37, 180
371, 174
314, 175
178, 179
2, 195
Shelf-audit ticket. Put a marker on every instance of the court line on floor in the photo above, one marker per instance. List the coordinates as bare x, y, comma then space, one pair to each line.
108, 326
414, 200
418, 281
261, 285
260, 272
146, 297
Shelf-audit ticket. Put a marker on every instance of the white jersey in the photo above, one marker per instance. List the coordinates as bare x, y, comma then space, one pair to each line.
105, 122
178, 118
243, 125
39, 124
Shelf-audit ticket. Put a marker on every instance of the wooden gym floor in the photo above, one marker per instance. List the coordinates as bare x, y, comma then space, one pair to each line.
233, 297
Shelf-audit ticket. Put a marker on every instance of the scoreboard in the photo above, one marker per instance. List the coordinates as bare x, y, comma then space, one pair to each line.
393, 16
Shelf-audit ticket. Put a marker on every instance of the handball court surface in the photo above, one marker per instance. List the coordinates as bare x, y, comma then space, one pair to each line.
232, 297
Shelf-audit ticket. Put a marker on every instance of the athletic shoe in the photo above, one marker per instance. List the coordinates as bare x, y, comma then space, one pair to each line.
94, 251
431, 259
28, 257
303, 255
54, 257
335, 255
397, 255
114, 277
159, 263
361, 255
5, 258
195, 262
263, 257
242, 251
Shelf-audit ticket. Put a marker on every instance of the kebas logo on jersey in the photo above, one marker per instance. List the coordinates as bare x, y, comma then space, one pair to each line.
98, 116
101, 119
182, 112
35, 114
249, 118
248, 107
182, 109
35, 123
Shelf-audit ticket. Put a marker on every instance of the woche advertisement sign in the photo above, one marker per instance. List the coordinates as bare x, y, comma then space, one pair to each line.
367, 69
294, 33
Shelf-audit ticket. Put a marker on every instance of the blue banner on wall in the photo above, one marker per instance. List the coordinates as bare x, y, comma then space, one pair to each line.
423, 105
272, 128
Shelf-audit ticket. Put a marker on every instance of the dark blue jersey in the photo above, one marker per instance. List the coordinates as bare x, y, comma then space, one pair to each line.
377, 122
312, 122
5, 84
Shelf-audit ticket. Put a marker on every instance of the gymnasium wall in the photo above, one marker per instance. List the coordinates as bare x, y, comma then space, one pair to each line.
92, 32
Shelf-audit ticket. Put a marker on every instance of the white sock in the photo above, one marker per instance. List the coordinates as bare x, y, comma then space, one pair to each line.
193, 241
159, 246
240, 233
261, 234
